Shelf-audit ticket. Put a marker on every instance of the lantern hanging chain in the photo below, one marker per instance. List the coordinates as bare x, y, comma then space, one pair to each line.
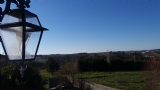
19, 3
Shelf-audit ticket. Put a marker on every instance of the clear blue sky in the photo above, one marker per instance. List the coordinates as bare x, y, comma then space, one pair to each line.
77, 26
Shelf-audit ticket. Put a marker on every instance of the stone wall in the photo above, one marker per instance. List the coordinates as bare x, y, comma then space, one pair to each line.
94, 86
85, 85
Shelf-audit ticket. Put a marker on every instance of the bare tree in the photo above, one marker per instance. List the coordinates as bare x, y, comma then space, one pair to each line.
69, 68
153, 73
108, 57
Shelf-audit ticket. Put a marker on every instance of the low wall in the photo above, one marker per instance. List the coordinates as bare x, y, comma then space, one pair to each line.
85, 85
94, 86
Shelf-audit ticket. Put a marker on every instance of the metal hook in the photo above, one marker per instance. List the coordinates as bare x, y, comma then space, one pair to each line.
22, 69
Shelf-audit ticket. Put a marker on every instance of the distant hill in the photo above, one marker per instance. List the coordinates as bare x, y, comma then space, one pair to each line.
60, 58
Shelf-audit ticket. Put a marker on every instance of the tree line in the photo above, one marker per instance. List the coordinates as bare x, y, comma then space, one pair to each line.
120, 62
113, 62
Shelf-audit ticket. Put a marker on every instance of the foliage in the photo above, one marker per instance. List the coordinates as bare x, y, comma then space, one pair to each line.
36, 64
45, 76
51, 65
134, 80
11, 79
3, 61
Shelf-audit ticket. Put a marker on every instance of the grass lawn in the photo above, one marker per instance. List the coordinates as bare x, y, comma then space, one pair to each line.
119, 80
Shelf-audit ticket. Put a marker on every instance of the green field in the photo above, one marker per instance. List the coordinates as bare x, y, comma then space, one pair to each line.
119, 80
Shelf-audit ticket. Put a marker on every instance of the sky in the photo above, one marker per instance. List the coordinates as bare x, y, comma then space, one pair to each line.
77, 26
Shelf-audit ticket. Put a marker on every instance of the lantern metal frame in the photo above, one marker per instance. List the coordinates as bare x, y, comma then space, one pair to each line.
21, 4
24, 24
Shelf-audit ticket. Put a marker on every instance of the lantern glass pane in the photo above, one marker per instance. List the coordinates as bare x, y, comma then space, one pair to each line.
32, 19
12, 40
32, 39
10, 19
